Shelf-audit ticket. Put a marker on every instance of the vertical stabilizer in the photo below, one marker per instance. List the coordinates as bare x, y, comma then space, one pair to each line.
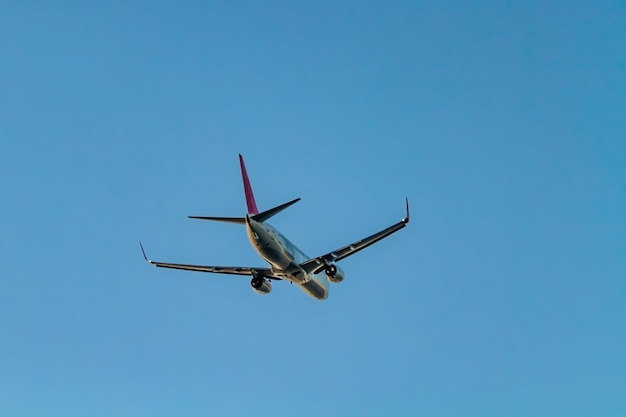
248, 188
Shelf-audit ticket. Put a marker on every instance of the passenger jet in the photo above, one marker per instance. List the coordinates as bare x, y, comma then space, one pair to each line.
286, 261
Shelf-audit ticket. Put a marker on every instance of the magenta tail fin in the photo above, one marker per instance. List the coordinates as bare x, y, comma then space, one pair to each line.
248, 188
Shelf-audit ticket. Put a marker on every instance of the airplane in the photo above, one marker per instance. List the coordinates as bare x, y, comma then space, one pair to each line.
286, 261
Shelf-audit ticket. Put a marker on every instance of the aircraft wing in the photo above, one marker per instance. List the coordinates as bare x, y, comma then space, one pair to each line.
316, 265
231, 270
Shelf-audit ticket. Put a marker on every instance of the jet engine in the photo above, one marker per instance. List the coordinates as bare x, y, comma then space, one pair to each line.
261, 285
334, 274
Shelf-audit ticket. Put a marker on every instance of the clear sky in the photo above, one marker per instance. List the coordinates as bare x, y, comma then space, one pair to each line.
503, 122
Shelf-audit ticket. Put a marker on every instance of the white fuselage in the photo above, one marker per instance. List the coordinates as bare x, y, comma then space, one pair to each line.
285, 258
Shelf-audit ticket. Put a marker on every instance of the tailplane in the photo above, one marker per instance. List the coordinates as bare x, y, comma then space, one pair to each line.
260, 217
240, 220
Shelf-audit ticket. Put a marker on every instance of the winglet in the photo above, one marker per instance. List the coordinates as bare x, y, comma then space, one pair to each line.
408, 216
144, 252
252, 209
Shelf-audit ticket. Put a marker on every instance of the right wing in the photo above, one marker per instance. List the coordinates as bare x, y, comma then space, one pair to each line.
318, 264
231, 270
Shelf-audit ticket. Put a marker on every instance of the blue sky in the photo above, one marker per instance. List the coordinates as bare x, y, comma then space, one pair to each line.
504, 124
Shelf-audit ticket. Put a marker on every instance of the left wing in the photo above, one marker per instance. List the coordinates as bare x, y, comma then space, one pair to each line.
318, 264
231, 270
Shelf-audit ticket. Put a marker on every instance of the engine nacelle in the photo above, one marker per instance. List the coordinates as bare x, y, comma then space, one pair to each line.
334, 274
261, 285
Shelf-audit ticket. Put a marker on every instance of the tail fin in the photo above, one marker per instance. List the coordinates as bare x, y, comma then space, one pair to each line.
248, 188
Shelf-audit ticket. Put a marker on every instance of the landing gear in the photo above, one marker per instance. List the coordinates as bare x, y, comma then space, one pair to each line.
331, 270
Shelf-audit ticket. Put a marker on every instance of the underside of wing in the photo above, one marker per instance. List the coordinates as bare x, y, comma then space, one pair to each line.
316, 265
230, 270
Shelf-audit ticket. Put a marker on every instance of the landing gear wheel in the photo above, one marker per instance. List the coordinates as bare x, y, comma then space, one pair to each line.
331, 270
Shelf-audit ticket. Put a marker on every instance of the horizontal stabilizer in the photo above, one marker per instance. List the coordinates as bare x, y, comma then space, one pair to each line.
261, 217
240, 220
